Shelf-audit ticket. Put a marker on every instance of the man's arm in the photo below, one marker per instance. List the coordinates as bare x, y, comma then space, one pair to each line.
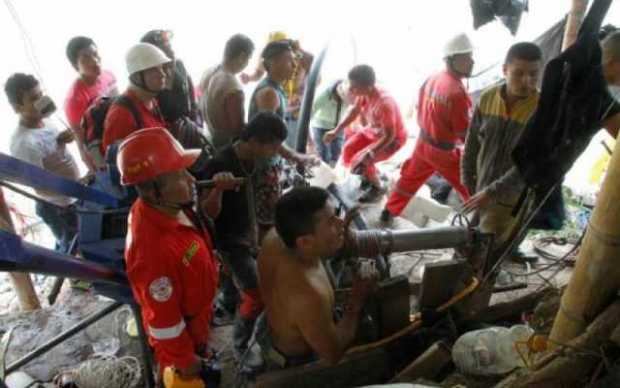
460, 115
159, 289
235, 112
211, 200
316, 323
469, 167
257, 74
348, 119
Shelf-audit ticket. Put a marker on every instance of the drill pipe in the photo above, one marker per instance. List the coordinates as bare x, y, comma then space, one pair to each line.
373, 242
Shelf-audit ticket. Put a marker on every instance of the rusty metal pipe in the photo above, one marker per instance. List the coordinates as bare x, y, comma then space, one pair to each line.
373, 242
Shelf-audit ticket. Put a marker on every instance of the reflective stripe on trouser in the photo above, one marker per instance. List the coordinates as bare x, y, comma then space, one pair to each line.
166, 333
424, 162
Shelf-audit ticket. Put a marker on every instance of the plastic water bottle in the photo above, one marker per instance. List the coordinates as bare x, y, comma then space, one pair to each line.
490, 351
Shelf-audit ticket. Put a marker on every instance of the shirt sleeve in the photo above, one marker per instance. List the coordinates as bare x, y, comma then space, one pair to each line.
469, 173
460, 114
158, 287
74, 109
388, 119
510, 182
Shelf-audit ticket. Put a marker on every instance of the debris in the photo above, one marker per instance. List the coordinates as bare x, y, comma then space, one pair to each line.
490, 351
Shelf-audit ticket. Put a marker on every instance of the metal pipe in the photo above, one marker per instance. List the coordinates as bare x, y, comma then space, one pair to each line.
20, 256
373, 242
62, 337
431, 238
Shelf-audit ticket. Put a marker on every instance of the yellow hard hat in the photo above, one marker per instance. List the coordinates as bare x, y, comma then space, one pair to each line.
277, 35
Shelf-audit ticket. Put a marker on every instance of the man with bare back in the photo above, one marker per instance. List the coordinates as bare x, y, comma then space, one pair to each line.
298, 325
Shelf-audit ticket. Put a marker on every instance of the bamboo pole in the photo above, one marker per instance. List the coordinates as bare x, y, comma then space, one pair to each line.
22, 284
596, 278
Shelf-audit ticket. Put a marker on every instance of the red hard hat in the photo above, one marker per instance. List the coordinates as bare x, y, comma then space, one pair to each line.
150, 152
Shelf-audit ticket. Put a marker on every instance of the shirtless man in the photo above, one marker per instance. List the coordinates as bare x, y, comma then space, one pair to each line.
222, 101
298, 325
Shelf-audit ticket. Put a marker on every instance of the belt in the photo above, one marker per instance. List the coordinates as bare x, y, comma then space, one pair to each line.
442, 145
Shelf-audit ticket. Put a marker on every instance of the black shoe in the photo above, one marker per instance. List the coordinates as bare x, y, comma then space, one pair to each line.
386, 217
373, 194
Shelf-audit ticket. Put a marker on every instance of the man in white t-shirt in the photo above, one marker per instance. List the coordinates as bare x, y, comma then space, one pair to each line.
222, 101
38, 142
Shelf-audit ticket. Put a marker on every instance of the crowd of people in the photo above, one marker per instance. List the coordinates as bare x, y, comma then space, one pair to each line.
242, 249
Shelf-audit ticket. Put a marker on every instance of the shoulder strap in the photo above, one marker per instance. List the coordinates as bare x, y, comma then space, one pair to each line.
127, 103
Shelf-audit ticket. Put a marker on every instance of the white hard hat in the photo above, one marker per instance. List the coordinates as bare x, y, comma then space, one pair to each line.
144, 56
459, 44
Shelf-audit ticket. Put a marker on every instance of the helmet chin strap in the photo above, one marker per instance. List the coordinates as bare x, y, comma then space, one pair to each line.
172, 205
454, 70
141, 83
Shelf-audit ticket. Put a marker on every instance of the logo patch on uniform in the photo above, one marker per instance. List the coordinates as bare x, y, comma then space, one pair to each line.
161, 289
190, 253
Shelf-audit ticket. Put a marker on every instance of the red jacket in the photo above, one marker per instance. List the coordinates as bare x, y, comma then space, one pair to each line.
173, 274
120, 123
444, 108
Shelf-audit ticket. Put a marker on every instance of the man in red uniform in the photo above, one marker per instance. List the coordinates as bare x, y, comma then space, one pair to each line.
137, 107
169, 254
380, 139
443, 116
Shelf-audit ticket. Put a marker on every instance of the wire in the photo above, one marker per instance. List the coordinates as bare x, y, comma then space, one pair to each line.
28, 43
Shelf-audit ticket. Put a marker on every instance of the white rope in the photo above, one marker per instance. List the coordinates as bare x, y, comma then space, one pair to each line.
108, 372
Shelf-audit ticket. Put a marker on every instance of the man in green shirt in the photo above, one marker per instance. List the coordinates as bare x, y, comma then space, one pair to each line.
328, 108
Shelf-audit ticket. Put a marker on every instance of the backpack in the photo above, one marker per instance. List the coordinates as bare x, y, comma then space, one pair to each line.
92, 124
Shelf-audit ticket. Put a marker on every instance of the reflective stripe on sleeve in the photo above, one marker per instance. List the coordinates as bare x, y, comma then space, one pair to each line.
165, 333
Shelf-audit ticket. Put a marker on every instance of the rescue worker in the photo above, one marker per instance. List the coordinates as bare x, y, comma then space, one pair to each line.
298, 325
234, 213
169, 254
137, 107
383, 135
443, 117
177, 102
178, 99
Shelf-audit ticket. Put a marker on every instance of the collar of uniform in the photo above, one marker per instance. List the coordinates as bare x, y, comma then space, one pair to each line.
154, 216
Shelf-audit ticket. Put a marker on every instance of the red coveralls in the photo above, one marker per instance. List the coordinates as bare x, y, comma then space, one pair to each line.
173, 275
381, 113
443, 116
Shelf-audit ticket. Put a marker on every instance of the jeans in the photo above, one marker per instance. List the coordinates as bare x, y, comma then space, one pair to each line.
62, 222
291, 126
329, 153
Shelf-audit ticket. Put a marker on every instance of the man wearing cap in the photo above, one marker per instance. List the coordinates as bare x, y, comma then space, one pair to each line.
137, 107
443, 117
169, 253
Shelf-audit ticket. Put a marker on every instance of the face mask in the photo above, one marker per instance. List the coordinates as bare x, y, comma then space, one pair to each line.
45, 106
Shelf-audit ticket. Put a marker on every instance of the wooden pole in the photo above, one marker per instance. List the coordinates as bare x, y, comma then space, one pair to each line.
573, 23
596, 278
22, 284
